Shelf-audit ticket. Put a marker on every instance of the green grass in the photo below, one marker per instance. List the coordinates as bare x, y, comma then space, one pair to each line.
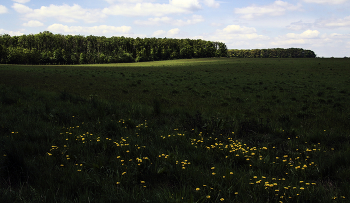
234, 130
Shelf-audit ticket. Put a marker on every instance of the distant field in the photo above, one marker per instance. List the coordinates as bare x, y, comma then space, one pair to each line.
197, 130
219, 85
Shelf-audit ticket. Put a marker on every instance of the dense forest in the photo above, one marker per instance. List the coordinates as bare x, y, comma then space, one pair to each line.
271, 53
49, 48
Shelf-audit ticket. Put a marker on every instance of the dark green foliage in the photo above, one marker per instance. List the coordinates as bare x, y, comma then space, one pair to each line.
57, 49
271, 53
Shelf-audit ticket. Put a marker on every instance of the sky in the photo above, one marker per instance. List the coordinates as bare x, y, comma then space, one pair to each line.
319, 25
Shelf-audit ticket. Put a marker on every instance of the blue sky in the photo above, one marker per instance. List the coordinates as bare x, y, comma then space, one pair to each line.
320, 25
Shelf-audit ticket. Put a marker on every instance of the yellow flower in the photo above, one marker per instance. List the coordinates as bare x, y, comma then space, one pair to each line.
118, 183
142, 181
212, 167
301, 188
208, 196
198, 189
236, 193
213, 173
222, 199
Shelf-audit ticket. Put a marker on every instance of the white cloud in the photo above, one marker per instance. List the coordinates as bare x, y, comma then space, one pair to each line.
21, 1
166, 20
64, 13
236, 36
173, 32
188, 4
153, 9
33, 23
325, 1
170, 33
236, 29
20, 8
128, 1
300, 25
211, 3
158, 33
236, 32
97, 30
307, 34
306, 37
12, 33
276, 9
3, 9
345, 22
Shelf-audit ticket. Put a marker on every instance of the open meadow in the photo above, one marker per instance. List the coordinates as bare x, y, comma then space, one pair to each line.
191, 130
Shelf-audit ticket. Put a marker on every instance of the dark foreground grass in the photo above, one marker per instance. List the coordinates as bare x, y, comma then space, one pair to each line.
288, 142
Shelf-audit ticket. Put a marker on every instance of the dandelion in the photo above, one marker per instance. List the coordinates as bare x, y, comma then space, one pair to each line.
208, 196
222, 199
236, 193
213, 174
118, 183
198, 189
142, 181
301, 188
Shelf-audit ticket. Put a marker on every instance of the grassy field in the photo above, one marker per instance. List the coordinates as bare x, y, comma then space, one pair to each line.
199, 130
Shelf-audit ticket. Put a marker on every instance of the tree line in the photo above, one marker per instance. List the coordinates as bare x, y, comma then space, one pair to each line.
271, 53
49, 48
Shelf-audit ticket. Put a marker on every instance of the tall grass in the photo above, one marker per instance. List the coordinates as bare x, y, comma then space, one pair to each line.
284, 143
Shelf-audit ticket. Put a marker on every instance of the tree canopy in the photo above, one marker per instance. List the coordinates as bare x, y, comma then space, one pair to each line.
271, 53
49, 48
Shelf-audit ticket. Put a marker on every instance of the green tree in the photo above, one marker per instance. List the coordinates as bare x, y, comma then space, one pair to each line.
57, 56
82, 58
